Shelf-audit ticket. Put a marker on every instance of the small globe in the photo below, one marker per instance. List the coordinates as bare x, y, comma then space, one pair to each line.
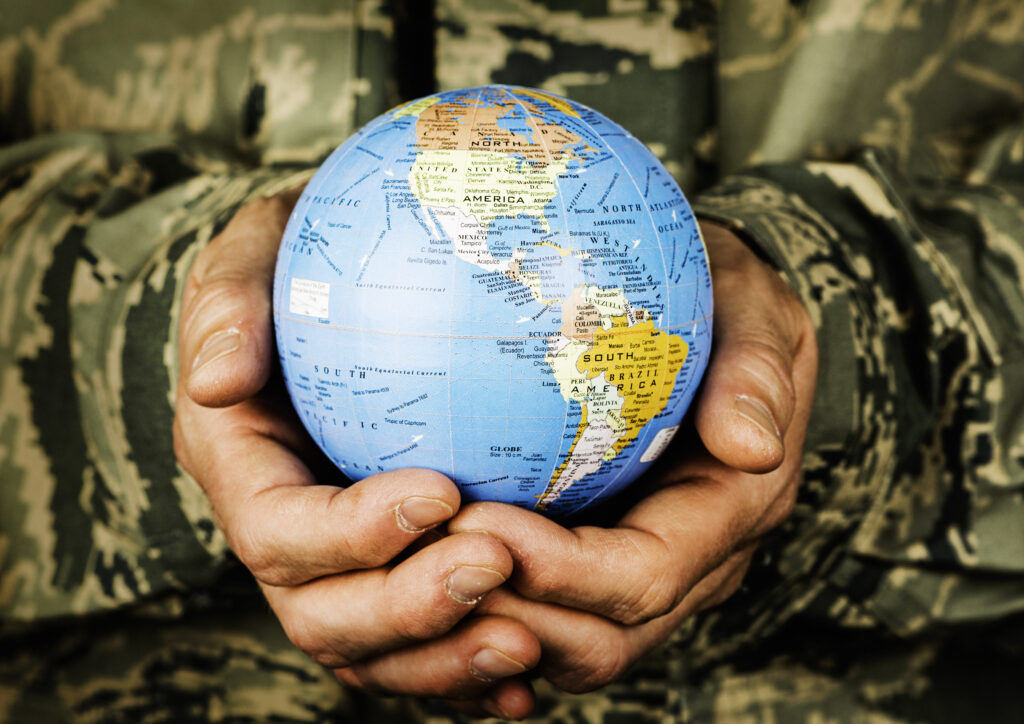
499, 284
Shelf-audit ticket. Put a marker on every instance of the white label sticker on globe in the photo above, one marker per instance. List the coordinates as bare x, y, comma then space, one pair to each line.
658, 444
498, 284
309, 298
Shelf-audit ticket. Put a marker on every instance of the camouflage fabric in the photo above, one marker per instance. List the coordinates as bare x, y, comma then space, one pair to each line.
100, 227
872, 150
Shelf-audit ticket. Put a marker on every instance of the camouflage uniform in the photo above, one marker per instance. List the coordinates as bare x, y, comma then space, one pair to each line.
872, 150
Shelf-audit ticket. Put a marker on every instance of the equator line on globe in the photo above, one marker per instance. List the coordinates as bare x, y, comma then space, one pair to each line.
499, 284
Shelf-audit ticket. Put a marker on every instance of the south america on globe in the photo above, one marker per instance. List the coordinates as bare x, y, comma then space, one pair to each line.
499, 284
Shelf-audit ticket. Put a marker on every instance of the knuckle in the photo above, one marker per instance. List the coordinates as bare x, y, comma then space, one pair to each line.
217, 301
764, 359
656, 601
356, 556
412, 626
605, 661
224, 295
357, 677
312, 641
770, 368
415, 623
257, 556
654, 589
654, 598
300, 634
355, 550
541, 583
270, 562
414, 618
327, 658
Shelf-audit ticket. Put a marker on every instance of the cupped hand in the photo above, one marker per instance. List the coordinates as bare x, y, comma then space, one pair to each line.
349, 572
599, 598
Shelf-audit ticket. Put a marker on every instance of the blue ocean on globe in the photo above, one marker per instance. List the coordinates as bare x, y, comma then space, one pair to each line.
499, 284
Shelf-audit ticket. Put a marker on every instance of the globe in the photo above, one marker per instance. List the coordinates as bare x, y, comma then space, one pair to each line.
499, 284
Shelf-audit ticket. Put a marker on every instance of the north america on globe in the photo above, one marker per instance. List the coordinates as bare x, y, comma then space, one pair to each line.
499, 284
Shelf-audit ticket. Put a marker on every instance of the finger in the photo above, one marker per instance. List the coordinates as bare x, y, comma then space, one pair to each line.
284, 527
225, 335
463, 664
645, 566
341, 620
507, 699
583, 652
626, 574
750, 390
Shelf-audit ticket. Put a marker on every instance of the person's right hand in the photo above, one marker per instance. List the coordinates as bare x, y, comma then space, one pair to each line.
325, 556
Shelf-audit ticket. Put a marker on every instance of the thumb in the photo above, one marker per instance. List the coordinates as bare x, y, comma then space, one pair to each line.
225, 339
749, 392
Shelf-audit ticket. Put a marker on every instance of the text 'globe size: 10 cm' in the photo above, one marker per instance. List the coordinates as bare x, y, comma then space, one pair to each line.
499, 284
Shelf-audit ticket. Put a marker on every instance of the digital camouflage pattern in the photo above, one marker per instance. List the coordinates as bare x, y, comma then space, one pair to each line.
873, 150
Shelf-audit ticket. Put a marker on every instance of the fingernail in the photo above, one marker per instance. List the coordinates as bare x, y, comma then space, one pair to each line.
415, 514
217, 345
468, 584
759, 414
490, 664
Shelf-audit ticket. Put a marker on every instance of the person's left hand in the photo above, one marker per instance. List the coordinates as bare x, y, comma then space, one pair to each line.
599, 598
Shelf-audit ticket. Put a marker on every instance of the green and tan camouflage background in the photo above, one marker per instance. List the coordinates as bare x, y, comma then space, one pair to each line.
872, 149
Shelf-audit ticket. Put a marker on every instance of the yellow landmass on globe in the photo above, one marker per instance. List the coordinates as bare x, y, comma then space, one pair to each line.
642, 362
622, 379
